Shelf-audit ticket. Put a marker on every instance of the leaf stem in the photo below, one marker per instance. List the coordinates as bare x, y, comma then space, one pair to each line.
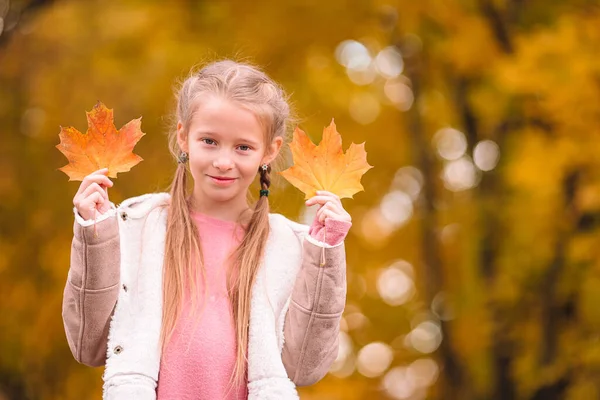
323, 248
95, 230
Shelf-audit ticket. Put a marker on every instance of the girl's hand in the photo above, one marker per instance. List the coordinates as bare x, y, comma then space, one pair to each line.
92, 195
330, 206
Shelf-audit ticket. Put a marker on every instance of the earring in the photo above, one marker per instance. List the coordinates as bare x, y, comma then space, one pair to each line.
265, 167
183, 157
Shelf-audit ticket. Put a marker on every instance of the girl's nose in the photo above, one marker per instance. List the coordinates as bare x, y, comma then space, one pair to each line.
223, 163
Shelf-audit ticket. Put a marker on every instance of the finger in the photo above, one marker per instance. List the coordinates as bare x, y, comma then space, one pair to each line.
310, 201
333, 213
98, 177
326, 214
321, 208
318, 214
325, 193
87, 206
318, 199
336, 206
88, 190
103, 181
333, 207
321, 200
94, 187
95, 192
92, 201
100, 171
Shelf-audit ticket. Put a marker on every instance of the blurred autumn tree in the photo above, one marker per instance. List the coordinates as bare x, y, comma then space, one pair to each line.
473, 266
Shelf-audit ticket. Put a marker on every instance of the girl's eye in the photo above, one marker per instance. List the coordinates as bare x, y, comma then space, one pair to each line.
244, 147
207, 141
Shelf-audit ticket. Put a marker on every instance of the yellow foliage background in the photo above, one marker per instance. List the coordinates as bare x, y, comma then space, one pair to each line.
467, 278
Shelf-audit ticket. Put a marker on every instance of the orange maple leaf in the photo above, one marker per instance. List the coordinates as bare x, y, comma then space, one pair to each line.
102, 146
325, 166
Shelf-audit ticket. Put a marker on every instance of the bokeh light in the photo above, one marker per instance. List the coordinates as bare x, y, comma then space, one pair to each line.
423, 372
344, 354
450, 143
364, 108
389, 62
399, 385
374, 227
409, 180
396, 207
362, 76
442, 307
395, 286
425, 337
4, 7
399, 93
353, 54
373, 359
460, 174
486, 155
449, 232
356, 320
33, 121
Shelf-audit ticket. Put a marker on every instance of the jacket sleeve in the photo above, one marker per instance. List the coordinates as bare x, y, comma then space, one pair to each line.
312, 323
92, 288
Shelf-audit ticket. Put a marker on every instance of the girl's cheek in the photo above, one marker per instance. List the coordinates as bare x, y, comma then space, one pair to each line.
248, 162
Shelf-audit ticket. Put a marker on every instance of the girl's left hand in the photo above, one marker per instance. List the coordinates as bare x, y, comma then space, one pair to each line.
330, 206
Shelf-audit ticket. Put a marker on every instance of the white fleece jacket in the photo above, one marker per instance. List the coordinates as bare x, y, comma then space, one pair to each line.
133, 353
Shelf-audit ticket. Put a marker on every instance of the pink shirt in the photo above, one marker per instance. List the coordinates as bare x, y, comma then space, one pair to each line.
199, 358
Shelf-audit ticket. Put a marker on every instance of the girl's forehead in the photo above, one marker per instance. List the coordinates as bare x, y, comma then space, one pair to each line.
223, 117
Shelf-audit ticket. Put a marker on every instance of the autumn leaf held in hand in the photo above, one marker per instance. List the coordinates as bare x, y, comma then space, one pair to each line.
102, 146
325, 166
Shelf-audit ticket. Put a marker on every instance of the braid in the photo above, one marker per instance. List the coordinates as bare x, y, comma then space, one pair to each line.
265, 177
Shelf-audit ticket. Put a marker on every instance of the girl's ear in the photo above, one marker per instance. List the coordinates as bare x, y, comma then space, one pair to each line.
182, 137
272, 150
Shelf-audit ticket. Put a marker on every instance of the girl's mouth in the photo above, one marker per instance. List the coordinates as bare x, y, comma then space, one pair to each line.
222, 181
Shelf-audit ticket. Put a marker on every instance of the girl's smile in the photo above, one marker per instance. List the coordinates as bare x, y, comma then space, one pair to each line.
222, 181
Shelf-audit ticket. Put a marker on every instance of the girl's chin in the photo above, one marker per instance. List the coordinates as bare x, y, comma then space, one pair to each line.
221, 195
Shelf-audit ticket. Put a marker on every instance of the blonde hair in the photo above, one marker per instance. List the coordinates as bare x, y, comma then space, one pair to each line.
248, 87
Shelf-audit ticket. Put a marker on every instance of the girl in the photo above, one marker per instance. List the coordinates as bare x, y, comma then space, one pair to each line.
200, 295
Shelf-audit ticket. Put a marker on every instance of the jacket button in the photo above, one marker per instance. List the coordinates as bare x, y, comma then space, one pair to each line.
124, 216
118, 350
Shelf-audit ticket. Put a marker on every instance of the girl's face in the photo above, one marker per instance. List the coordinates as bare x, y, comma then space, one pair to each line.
226, 145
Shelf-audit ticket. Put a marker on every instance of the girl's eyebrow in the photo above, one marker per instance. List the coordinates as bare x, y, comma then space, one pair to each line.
200, 133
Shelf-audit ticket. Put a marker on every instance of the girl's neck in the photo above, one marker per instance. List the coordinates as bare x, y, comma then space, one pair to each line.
240, 213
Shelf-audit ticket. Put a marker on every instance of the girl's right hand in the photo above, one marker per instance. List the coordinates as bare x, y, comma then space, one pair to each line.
92, 197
